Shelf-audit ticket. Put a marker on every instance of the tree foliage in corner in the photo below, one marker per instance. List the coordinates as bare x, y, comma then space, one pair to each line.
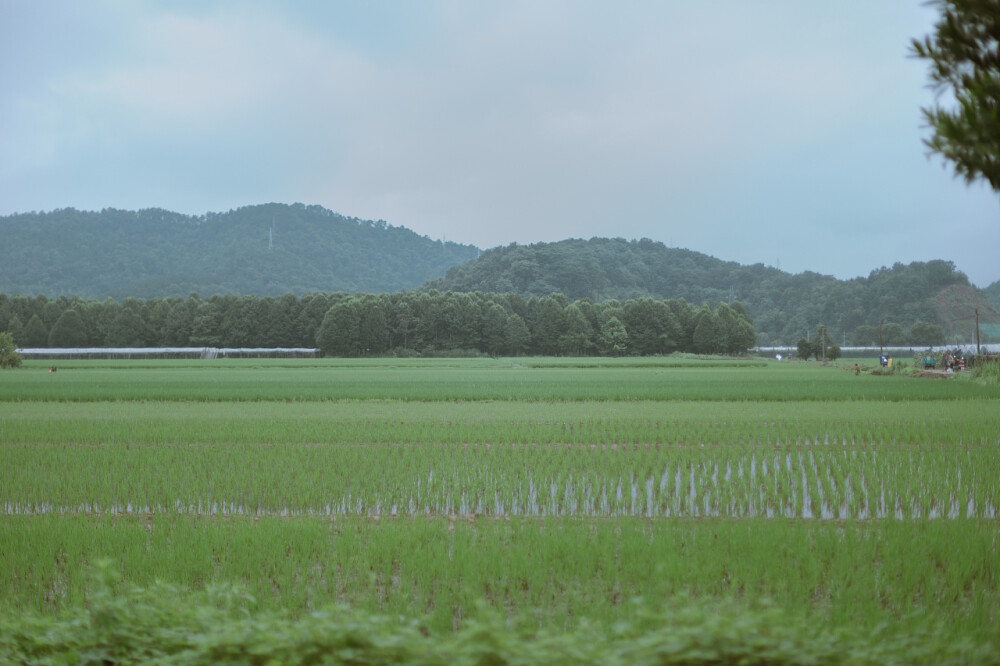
964, 55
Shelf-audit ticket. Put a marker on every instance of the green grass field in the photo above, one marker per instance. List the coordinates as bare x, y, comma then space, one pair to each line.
437, 380
561, 501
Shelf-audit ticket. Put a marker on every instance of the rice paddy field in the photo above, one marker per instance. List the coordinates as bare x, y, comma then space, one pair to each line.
560, 510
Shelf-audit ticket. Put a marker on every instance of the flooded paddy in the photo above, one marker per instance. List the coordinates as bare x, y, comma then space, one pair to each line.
866, 500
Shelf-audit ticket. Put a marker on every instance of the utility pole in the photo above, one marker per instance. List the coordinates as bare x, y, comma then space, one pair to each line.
977, 334
881, 351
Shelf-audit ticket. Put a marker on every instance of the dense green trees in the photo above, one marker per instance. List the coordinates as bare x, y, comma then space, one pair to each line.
439, 322
782, 306
206, 326
647, 287
921, 334
822, 347
707, 336
68, 331
431, 322
924, 334
992, 293
166, 255
15, 328
35, 334
577, 336
893, 334
340, 332
655, 329
9, 358
421, 321
865, 336
614, 338
157, 253
518, 336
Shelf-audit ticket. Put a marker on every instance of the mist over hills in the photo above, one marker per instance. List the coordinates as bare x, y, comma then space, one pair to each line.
274, 249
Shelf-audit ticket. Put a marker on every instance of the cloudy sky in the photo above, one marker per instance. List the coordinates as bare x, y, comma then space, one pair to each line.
782, 132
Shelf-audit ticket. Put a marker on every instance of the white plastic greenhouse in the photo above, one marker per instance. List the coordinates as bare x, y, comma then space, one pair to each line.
169, 352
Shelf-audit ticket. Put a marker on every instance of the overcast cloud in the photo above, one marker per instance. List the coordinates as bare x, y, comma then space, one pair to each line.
781, 132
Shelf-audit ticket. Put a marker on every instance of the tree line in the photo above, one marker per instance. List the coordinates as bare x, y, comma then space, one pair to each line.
783, 306
891, 334
273, 249
428, 322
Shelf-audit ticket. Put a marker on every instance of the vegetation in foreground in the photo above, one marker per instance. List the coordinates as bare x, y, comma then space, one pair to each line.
163, 624
479, 508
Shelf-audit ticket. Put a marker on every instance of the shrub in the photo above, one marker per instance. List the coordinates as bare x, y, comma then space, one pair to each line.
166, 625
987, 372
9, 358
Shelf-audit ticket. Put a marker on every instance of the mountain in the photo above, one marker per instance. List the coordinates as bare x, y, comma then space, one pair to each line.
992, 293
783, 307
269, 249
274, 249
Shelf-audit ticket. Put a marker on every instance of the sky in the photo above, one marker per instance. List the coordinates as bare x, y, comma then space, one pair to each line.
780, 132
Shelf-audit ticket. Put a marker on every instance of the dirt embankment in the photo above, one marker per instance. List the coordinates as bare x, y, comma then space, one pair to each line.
934, 374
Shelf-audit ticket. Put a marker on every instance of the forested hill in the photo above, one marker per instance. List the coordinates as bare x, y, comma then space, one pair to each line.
783, 307
993, 294
275, 249
157, 253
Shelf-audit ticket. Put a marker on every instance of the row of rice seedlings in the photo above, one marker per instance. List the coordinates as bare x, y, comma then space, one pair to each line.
742, 480
965, 422
468, 381
549, 573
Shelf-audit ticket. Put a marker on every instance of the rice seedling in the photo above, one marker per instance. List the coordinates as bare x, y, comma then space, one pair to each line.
463, 380
551, 492
551, 573
742, 480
